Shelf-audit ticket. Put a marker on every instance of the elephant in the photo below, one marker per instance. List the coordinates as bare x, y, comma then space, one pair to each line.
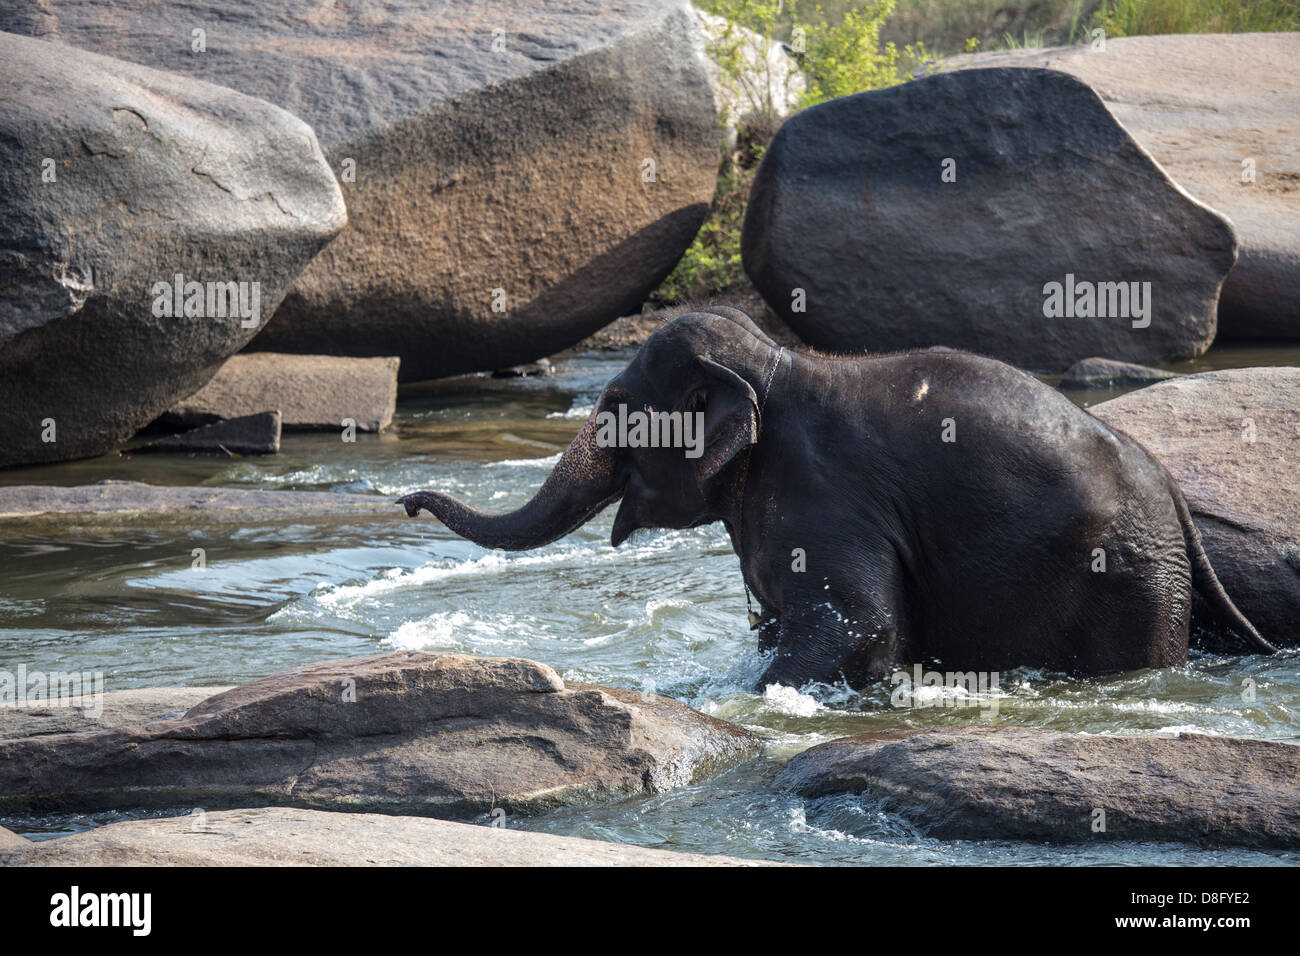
926, 505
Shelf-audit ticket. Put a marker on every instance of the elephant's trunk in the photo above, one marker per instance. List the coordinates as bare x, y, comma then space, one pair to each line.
584, 482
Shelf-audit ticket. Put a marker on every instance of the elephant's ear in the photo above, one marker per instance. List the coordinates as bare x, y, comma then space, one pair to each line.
730, 418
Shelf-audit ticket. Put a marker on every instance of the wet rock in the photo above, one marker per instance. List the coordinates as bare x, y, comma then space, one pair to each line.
493, 158
408, 732
248, 435
284, 836
1231, 440
1211, 108
1107, 373
115, 179
1022, 783
1036, 252
313, 392
134, 497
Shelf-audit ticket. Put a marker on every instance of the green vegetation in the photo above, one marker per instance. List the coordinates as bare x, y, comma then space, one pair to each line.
1147, 17
847, 46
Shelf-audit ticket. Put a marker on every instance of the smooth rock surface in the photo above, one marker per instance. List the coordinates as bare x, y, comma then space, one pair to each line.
1231, 439
10, 841
257, 434
311, 391
849, 210
283, 836
406, 732
1202, 104
1022, 783
154, 175
1106, 373
116, 709
480, 147
134, 497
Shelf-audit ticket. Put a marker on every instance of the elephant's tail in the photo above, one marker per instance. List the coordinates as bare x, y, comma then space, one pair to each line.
1207, 582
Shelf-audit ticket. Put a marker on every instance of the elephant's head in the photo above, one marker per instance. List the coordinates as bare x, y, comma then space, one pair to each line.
697, 381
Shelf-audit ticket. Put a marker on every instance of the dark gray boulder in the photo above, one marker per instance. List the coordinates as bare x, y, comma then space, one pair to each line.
407, 732
1026, 783
1221, 113
1231, 439
1059, 238
247, 435
479, 147
1107, 373
115, 179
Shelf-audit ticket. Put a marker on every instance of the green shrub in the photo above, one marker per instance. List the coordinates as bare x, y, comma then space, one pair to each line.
839, 52
1121, 18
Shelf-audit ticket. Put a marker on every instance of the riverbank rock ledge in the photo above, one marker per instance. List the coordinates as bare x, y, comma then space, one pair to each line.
311, 392
1221, 113
115, 180
1024, 783
407, 732
286, 836
1003, 211
1231, 439
517, 174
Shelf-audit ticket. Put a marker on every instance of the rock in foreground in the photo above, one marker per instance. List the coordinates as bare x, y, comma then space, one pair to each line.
1221, 113
1035, 252
310, 391
517, 174
282, 836
1023, 783
149, 223
408, 732
1231, 440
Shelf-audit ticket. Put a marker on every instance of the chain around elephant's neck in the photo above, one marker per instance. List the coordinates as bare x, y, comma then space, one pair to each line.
755, 619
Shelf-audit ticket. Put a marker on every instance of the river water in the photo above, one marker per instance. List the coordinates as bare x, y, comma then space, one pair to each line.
666, 611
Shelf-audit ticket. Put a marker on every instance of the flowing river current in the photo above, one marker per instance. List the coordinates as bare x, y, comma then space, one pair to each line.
666, 611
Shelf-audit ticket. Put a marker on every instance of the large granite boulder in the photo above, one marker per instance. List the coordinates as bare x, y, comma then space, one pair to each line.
407, 732
115, 180
1025, 783
1231, 439
1001, 211
285, 836
1221, 113
551, 161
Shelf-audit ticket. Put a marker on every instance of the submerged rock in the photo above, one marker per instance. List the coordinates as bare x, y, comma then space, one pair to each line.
315, 392
991, 210
283, 836
1221, 113
1023, 783
517, 174
149, 223
1231, 439
1107, 373
248, 435
408, 732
